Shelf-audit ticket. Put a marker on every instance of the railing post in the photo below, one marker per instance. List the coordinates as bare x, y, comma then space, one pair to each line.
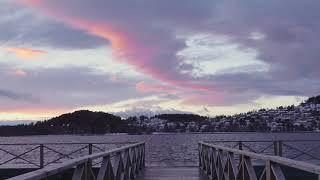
41, 156
279, 148
90, 148
240, 145
275, 147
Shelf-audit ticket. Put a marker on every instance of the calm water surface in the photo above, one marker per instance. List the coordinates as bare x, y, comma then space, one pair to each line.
168, 149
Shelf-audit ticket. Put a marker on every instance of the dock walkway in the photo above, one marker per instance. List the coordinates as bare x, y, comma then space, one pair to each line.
172, 173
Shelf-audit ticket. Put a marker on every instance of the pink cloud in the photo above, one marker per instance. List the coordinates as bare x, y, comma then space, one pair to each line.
143, 34
145, 87
206, 98
19, 73
115, 78
149, 50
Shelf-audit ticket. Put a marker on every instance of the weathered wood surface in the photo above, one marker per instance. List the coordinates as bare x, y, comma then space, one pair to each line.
172, 173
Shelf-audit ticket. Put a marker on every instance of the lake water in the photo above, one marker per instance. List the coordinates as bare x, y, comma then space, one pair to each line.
164, 149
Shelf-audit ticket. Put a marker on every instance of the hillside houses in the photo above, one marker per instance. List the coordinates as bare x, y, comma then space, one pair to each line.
305, 117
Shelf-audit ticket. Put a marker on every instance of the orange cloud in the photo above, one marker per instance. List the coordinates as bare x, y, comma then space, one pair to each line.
144, 87
25, 53
32, 113
34, 110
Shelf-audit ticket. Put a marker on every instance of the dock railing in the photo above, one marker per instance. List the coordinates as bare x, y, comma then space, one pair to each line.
120, 163
35, 155
219, 162
302, 150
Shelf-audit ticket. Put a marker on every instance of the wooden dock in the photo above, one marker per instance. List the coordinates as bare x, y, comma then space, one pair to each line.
215, 162
172, 173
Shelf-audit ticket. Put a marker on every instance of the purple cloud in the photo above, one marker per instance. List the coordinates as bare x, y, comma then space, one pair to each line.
145, 34
19, 26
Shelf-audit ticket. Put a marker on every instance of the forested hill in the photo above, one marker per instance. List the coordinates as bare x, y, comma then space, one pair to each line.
84, 122
79, 122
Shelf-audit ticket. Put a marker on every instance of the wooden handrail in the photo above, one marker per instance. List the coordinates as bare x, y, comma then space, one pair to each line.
278, 147
62, 167
71, 143
288, 140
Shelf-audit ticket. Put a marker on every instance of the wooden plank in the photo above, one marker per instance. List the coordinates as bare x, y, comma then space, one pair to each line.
172, 173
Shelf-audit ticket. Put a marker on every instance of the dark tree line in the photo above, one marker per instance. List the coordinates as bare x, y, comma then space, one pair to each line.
313, 100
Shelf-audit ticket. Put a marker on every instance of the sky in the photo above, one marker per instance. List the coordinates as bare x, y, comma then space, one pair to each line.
208, 57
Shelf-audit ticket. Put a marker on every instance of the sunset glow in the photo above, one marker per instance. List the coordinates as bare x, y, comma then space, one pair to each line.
25, 53
208, 57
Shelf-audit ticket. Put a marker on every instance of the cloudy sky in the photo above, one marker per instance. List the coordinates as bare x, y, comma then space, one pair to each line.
148, 56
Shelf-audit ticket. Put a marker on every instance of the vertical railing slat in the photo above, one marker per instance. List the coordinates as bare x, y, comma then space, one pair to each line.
268, 170
78, 172
277, 172
249, 168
